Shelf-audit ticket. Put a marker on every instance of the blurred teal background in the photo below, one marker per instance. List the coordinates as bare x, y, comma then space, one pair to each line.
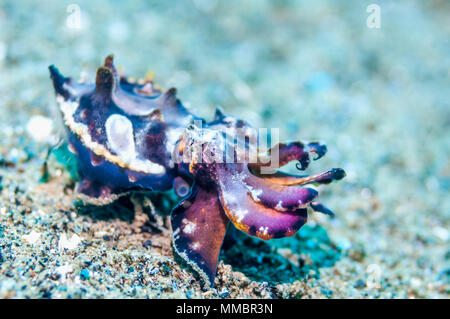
378, 97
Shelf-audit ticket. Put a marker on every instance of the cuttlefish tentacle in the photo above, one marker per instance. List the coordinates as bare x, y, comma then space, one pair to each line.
286, 179
199, 225
287, 152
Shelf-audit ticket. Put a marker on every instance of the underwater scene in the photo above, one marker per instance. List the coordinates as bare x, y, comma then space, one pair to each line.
208, 149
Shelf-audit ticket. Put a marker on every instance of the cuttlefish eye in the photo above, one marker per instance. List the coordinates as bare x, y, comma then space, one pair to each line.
181, 187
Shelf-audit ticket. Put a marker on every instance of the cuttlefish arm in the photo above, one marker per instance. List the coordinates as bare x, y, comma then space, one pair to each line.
257, 217
287, 152
199, 225
276, 196
321, 208
287, 179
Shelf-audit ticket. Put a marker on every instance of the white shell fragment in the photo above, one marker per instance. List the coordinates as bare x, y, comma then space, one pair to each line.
32, 237
69, 244
39, 128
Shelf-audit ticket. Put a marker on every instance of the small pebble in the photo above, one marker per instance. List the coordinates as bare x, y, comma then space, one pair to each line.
39, 128
147, 244
84, 274
360, 284
32, 237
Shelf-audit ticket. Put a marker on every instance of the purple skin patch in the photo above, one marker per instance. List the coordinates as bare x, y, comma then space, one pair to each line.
250, 214
130, 136
199, 225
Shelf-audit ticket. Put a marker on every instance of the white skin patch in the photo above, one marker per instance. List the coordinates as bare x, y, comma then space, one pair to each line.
280, 206
300, 204
195, 245
240, 214
227, 196
186, 204
72, 149
255, 193
189, 226
119, 132
172, 135
82, 131
264, 230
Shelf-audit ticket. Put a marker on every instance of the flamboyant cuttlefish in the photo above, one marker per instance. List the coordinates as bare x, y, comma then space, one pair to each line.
130, 136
